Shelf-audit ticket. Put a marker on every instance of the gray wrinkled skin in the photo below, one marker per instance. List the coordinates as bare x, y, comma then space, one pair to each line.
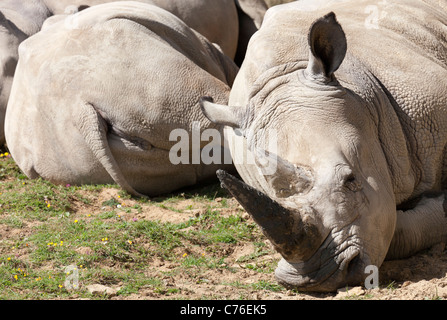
20, 19
359, 108
96, 104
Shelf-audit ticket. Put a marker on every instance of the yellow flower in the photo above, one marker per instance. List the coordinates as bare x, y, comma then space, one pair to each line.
130, 242
76, 221
60, 286
15, 277
185, 254
9, 259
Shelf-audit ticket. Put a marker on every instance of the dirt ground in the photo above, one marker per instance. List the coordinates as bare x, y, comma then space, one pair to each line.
421, 277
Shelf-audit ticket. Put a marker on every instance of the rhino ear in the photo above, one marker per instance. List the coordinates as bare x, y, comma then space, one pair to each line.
221, 114
328, 46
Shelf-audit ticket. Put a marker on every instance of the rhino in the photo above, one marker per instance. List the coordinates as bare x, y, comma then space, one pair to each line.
96, 104
20, 19
354, 94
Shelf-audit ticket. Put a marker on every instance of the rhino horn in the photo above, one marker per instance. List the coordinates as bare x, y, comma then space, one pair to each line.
294, 239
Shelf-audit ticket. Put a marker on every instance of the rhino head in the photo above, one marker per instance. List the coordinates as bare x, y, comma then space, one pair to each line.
328, 207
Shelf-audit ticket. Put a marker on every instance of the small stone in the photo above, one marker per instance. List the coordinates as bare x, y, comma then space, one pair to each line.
99, 289
350, 291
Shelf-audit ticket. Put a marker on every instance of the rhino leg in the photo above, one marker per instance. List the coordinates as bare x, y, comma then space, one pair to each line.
420, 228
93, 128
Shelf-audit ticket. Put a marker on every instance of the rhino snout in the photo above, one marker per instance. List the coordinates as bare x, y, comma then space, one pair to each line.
315, 275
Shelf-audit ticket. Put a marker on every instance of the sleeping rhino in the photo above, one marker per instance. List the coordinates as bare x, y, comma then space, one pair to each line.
229, 23
97, 103
357, 105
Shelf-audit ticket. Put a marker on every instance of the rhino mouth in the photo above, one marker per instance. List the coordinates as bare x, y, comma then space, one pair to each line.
326, 271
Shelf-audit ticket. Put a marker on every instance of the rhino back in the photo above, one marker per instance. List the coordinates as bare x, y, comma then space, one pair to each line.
400, 46
127, 61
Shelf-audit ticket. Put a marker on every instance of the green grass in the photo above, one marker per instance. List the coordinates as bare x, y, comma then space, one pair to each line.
44, 232
211, 228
